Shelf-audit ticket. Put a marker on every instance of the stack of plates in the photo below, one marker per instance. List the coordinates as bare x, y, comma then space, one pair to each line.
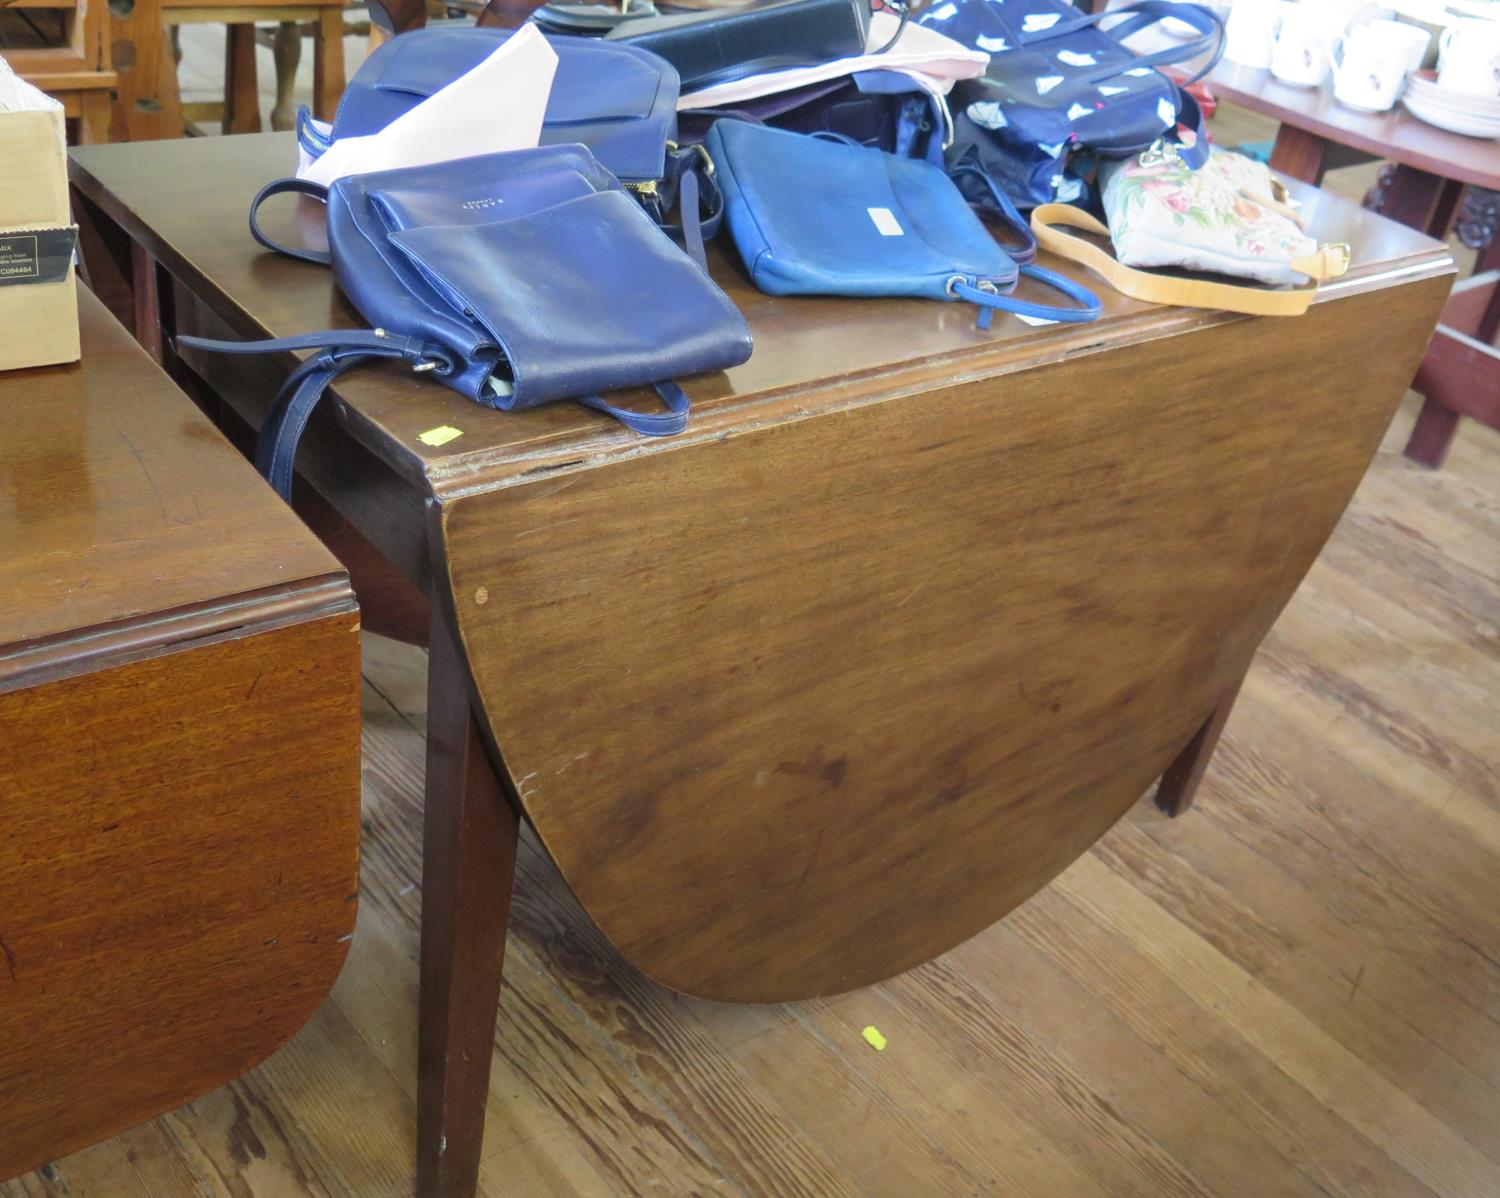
1473, 116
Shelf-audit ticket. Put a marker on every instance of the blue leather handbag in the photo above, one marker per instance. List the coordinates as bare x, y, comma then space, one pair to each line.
619, 100
820, 216
1060, 85
515, 279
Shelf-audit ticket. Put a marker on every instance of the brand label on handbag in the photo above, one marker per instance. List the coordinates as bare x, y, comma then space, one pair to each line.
885, 220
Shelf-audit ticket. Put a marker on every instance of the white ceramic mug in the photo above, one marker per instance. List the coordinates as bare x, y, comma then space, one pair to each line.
1369, 67
1409, 41
1301, 55
1469, 58
1250, 35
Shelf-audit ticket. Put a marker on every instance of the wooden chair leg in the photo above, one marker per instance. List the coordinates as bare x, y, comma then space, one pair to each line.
93, 117
1179, 785
1432, 434
241, 87
328, 62
286, 47
469, 855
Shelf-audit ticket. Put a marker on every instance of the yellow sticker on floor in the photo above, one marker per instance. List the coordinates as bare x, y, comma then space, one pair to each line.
874, 1038
440, 435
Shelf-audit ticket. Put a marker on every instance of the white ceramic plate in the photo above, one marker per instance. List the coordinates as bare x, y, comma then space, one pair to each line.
1434, 96
1454, 122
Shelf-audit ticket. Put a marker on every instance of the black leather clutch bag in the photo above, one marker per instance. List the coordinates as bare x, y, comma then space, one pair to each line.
719, 45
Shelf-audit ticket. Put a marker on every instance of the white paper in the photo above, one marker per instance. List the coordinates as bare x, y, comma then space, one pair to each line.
495, 107
16, 95
934, 60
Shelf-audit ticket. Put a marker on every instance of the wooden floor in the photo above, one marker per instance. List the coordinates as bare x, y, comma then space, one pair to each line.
1293, 991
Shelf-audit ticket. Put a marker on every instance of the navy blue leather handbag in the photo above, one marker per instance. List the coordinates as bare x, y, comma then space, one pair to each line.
619, 100
1061, 84
884, 109
515, 279
821, 216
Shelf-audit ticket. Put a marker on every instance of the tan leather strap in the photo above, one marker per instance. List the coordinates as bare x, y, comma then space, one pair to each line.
1329, 262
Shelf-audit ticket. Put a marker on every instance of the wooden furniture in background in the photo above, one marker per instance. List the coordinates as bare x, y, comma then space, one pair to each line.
77, 71
1432, 166
148, 105
1460, 375
1428, 173
325, 19
179, 755
817, 690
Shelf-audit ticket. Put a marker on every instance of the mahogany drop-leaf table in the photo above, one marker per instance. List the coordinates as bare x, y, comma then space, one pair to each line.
806, 696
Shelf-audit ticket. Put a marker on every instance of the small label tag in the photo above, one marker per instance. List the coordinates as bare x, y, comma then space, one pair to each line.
1034, 321
885, 220
440, 435
36, 255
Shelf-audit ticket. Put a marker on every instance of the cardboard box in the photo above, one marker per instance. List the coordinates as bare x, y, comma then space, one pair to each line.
38, 300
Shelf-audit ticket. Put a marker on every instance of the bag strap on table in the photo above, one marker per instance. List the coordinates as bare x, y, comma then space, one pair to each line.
991, 301
288, 187
340, 349
1329, 262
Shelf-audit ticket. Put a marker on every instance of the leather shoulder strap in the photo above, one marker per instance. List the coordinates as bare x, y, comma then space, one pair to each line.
1329, 262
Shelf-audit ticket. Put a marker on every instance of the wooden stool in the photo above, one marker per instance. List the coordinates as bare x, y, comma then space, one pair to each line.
241, 93
1460, 376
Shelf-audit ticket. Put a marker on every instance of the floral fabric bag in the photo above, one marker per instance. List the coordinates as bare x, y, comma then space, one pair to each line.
1232, 217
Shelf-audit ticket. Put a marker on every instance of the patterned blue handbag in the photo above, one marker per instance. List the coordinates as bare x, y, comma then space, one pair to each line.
1060, 85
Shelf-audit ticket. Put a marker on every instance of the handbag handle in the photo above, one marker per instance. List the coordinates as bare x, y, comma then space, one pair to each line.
1141, 15
995, 201
1329, 262
990, 301
288, 187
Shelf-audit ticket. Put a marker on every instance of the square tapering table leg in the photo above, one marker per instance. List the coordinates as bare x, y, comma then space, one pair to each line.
469, 855
1179, 785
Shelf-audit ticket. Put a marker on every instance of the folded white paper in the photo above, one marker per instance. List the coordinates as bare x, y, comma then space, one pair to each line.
16, 95
495, 107
933, 60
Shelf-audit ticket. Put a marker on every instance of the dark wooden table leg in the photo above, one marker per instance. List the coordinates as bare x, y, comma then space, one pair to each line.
107, 254
146, 302
1416, 198
1460, 376
1300, 154
1179, 784
468, 864
1431, 435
